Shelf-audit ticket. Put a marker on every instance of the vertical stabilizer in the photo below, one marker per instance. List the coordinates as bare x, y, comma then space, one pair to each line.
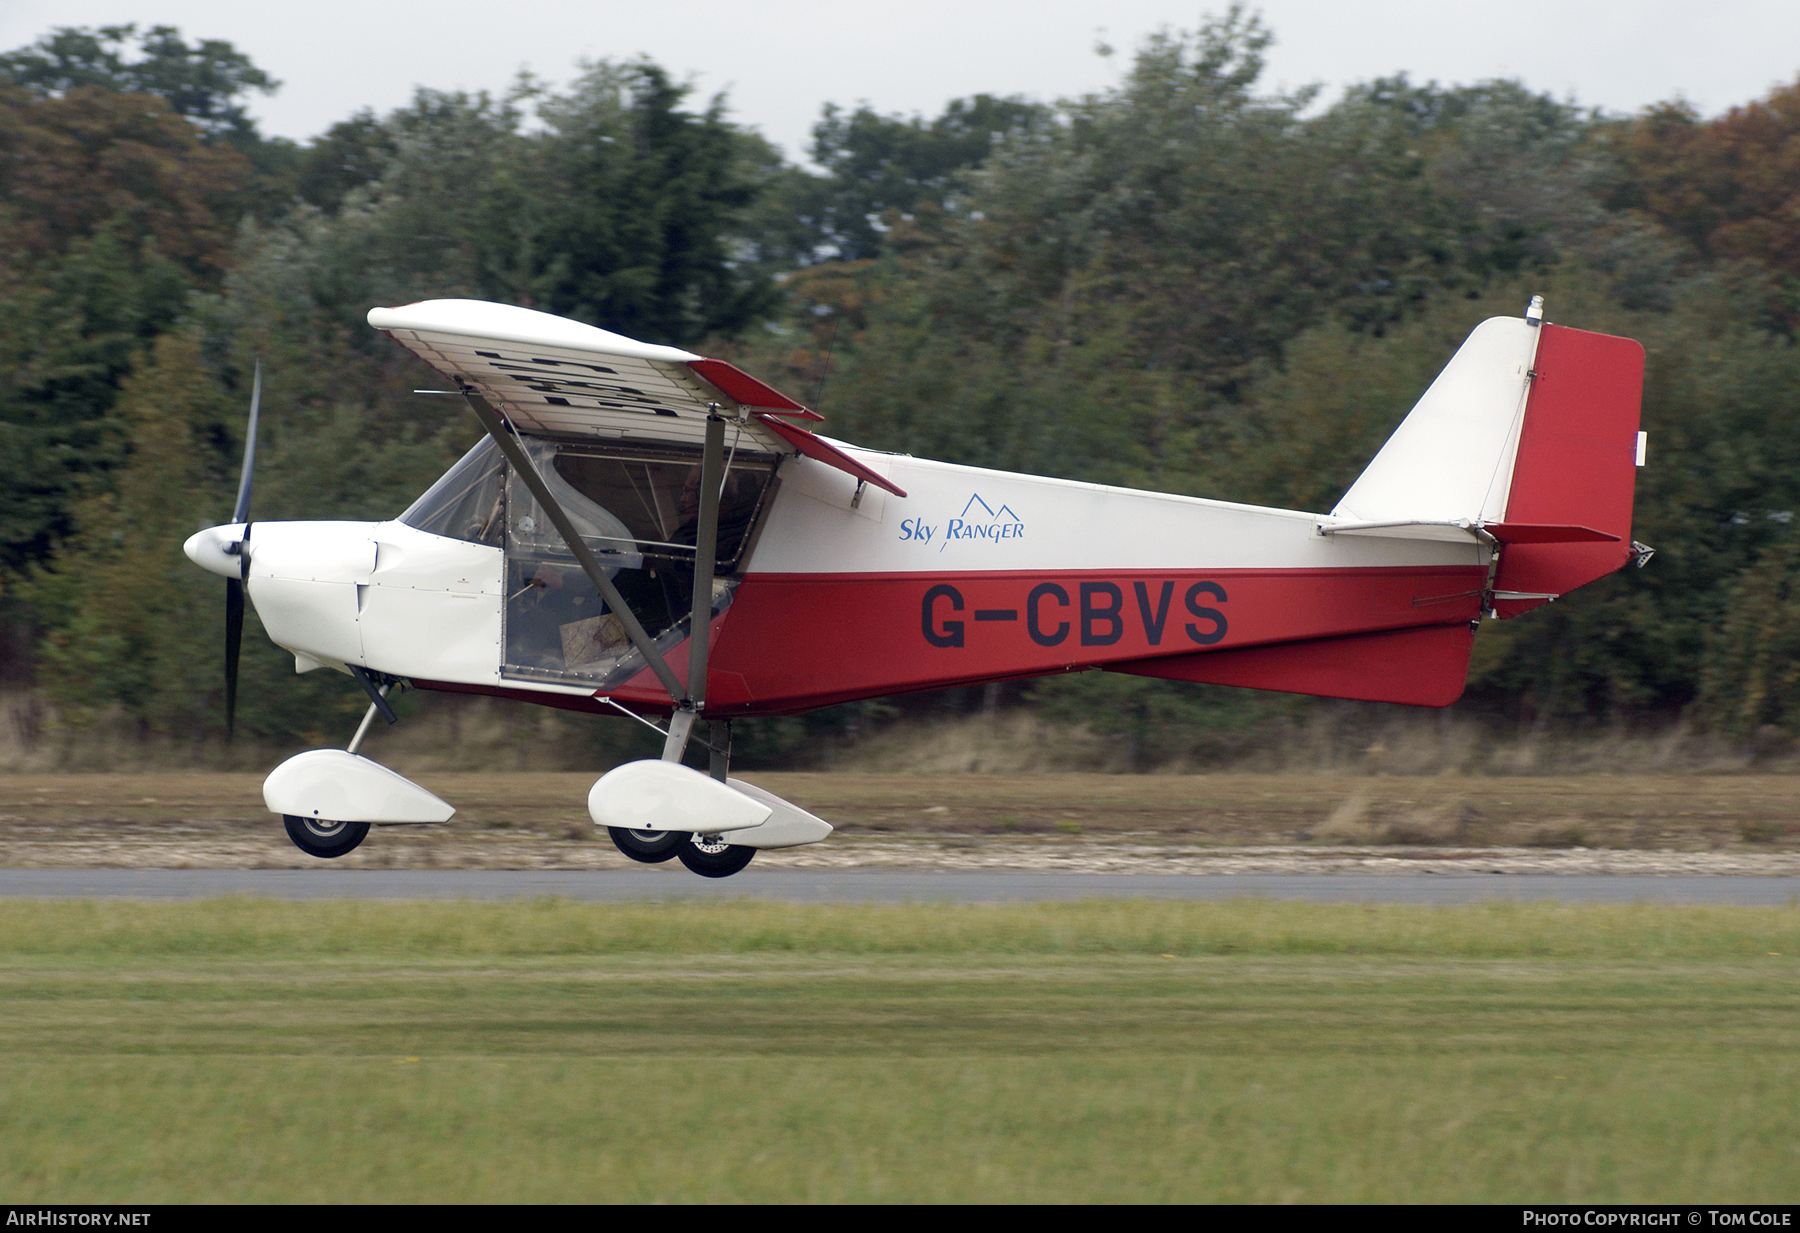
1451, 458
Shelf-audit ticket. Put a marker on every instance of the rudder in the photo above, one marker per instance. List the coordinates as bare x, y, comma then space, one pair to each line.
1576, 465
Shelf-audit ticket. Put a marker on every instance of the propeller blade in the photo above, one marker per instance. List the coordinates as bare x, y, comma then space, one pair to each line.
242, 512
234, 639
234, 587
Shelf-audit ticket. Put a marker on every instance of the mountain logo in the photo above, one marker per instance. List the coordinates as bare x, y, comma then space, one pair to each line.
978, 520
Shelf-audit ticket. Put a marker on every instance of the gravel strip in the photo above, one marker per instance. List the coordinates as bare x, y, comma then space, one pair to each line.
262, 846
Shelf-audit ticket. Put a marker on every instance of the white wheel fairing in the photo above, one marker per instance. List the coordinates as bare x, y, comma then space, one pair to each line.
334, 784
665, 796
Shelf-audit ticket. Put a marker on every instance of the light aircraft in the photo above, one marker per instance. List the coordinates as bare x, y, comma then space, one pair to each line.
651, 531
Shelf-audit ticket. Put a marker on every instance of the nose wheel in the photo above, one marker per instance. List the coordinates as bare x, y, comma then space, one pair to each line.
712, 857
321, 838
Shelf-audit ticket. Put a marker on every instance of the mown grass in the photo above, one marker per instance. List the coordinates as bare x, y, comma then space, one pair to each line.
241, 1050
251, 927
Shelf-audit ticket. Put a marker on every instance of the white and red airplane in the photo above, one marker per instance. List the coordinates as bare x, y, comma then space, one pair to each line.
651, 531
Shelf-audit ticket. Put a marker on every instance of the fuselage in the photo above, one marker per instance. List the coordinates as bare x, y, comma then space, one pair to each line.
845, 591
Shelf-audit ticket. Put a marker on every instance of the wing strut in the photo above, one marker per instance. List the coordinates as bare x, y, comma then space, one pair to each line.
496, 428
706, 545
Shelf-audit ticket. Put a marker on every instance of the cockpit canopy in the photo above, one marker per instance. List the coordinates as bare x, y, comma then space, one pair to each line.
636, 507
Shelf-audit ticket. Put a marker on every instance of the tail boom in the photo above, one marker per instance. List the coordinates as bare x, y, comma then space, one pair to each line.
1423, 666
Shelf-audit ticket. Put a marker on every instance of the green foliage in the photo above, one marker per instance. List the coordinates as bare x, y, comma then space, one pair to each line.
643, 201
122, 604
620, 209
1751, 677
876, 164
203, 82
1183, 283
351, 154
68, 336
112, 212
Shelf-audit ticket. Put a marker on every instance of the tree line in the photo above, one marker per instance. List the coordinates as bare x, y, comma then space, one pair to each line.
1184, 283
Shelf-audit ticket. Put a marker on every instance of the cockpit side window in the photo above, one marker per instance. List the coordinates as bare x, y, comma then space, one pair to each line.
637, 508
469, 502
657, 495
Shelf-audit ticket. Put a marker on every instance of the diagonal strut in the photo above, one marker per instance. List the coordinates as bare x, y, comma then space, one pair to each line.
634, 630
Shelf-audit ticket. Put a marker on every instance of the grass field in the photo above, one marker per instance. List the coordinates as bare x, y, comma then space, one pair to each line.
242, 1050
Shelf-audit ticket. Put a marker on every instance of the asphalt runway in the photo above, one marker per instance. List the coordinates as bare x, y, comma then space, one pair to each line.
836, 886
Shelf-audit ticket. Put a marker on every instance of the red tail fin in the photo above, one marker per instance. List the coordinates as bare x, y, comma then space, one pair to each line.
1576, 465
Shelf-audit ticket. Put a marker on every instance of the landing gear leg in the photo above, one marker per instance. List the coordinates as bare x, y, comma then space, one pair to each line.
718, 744
708, 855
324, 838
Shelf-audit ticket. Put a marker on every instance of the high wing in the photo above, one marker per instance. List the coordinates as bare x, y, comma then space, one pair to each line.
554, 377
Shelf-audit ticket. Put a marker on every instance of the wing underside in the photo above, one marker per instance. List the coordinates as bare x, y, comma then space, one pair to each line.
550, 388
553, 377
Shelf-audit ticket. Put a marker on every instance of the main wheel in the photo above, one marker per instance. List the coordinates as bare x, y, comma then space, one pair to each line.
317, 837
650, 847
713, 858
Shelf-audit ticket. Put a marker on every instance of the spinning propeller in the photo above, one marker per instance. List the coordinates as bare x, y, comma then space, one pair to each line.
239, 548
225, 550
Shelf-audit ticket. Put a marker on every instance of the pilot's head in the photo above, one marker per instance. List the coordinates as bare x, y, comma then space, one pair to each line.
689, 506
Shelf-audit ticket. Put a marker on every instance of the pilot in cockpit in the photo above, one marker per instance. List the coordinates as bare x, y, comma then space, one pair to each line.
640, 517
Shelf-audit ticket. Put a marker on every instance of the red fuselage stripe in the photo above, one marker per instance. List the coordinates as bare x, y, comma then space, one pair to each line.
790, 642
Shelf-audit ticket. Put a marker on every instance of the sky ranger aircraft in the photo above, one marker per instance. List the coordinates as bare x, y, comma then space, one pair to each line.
650, 531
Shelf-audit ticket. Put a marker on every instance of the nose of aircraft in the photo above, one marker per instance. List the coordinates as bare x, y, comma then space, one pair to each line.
214, 549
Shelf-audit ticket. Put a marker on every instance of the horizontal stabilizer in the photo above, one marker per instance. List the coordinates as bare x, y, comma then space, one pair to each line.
1543, 533
1462, 531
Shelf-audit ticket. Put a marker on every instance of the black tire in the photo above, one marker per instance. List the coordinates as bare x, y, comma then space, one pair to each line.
713, 858
650, 847
318, 837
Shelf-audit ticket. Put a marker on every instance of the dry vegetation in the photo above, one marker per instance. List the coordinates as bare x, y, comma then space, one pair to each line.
442, 732
1390, 780
539, 820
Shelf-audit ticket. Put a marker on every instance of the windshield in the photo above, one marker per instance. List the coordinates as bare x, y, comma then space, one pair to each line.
469, 502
